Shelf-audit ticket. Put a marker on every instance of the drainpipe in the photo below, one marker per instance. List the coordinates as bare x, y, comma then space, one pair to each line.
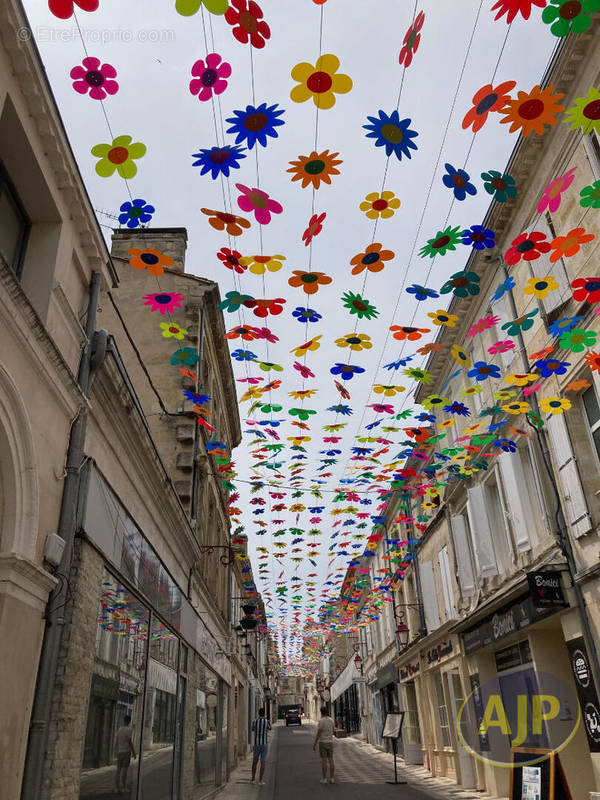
194, 500
57, 602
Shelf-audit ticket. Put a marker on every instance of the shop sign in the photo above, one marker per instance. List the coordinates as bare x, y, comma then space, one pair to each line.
387, 675
436, 654
513, 656
586, 691
106, 688
408, 670
359, 679
545, 589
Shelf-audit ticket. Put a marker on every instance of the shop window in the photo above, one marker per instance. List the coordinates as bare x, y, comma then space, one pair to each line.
411, 733
442, 711
14, 225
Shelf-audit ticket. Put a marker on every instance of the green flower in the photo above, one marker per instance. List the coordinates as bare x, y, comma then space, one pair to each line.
585, 113
233, 300
301, 413
590, 195
189, 7
267, 366
403, 414
490, 411
442, 242
435, 401
577, 340
569, 16
118, 156
535, 419
186, 355
462, 284
420, 375
481, 441
523, 323
501, 185
359, 306
267, 409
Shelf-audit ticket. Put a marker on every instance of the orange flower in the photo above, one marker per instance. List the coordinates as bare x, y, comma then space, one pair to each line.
402, 332
309, 281
592, 359
315, 168
577, 386
530, 112
245, 332
567, 246
486, 100
149, 258
541, 354
432, 347
372, 259
220, 221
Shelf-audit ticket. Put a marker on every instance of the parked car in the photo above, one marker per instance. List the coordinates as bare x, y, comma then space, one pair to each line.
293, 717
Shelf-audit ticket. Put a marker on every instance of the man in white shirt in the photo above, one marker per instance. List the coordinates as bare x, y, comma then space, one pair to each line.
125, 751
324, 738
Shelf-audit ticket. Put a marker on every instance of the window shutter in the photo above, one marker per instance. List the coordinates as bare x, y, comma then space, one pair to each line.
591, 144
543, 267
515, 497
444, 563
576, 510
430, 603
462, 550
481, 532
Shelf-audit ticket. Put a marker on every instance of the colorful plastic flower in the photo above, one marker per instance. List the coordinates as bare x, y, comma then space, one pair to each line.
303, 370
513, 7
577, 386
63, 9
149, 258
590, 195
411, 41
506, 445
359, 306
559, 326
258, 265
308, 281
486, 100
441, 317
504, 394
479, 237
308, 347
577, 340
406, 332
459, 409
246, 18
265, 333
460, 356
355, 341
527, 246
218, 160
262, 307
171, 330
392, 133
469, 391
539, 287
459, 181
420, 375
522, 323
482, 324
501, 290
501, 186
189, 7
552, 366
532, 389
94, 78
481, 371
222, 221
520, 378
570, 244
345, 411
243, 355
372, 259
133, 214
442, 242
541, 354
377, 205
209, 76
421, 292
592, 359
569, 16
388, 390
259, 202
306, 315
163, 302
401, 362
346, 371
245, 332
503, 346
315, 168
255, 124
321, 82
552, 194
314, 228
554, 405
233, 300
586, 290
585, 114
118, 156
185, 355
532, 111
462, 284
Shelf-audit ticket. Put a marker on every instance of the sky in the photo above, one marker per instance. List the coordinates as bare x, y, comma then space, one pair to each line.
153, 49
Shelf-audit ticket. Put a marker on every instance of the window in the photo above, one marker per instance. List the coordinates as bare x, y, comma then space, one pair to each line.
591, 143
592, 412
442, 711
444, 562
14, 225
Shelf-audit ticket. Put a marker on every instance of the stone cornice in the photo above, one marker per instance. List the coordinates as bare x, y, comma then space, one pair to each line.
25, 580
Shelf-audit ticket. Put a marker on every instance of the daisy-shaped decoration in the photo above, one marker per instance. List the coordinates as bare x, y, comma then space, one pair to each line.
222, 221
303, 370
485, 101
469, 391
559, 326
577, 340
314, 228
411, 41
231, 259
209, 77
346, 371
406, 332
552, 194
569, 245
501, 186
482, 324
585, 114
443, 242
259, 202
461, 357
520, 378
189, 7
218, 160
63, 9
516, 408
554, 405
459, 181
346, 411
522, 323
592, 359
172, 331
302, 393
481, 371
513, 7
479, 237
254, 124
577, 386
420, 375
308, 281
387, 390
586, 290
321, 82
462, 284
422, 292
135, 213
503, 346
541, 354
243, 355
590, 195
245, 332
540, 287
532, 111
185, 355
359, 306
458, 409
94, 78
265, 333
441, 317
234, 300
377, 205
163, 302
148, 258
310, 346
372, 259
118, 156
569, 16
552, 366
246, 18
262, 307
527, 246
355, 341
506, 445
315, 168
258, 265
392, 133
304, 315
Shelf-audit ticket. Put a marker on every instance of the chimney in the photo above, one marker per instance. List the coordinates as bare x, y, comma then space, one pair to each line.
170, 241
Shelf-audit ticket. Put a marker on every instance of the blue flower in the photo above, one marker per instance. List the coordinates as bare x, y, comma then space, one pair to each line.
482, 371
495, 426
457, 408
243, 355
219, 160
479, 237
136, 213
552, 367
506, 445
306, 315
341, 409
501, 290
372, 425
200, 399
422, 292
361, 451
347, 371
392, 133
458, 181
561, 326
255, 124
425, 417
401, 362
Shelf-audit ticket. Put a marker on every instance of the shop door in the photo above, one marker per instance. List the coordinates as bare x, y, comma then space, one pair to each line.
468, 778
513, 684
411, 734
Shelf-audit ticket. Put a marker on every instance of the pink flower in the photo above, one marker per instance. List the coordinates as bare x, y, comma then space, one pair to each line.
531, 389
332, 439
304, 371
250, 380
258, 201
501, 347
165, 302
482, 325
209, 77
265, 333
551, 196
94, 78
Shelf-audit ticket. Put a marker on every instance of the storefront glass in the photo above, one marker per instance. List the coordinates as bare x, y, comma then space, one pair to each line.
207, 707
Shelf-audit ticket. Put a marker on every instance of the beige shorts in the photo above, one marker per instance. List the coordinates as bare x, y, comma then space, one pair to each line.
326, 749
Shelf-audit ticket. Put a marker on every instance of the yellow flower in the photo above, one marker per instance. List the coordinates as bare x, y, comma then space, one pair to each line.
504, 394
471, 429
313, 344
471, 390
448, 424
302, 393
355, 341
258, 265
320, 82
520, 379
554, 405
380, 205
460, 356
516, 408
541, 286
440, 317
172, 331
387, 391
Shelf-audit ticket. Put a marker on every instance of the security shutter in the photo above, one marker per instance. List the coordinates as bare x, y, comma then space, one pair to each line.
430, 603
515, 497
576, 510
444, 563
481, 532
462, 551
543, 267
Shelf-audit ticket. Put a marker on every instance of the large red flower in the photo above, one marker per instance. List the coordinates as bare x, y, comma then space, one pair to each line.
246, 18
231, 259
63, 9
487, 99
411, 42
513, 7
586, 290
527, 246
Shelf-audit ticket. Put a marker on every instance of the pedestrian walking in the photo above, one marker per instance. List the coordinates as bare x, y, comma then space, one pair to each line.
261, 728
125, 752
324, 738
